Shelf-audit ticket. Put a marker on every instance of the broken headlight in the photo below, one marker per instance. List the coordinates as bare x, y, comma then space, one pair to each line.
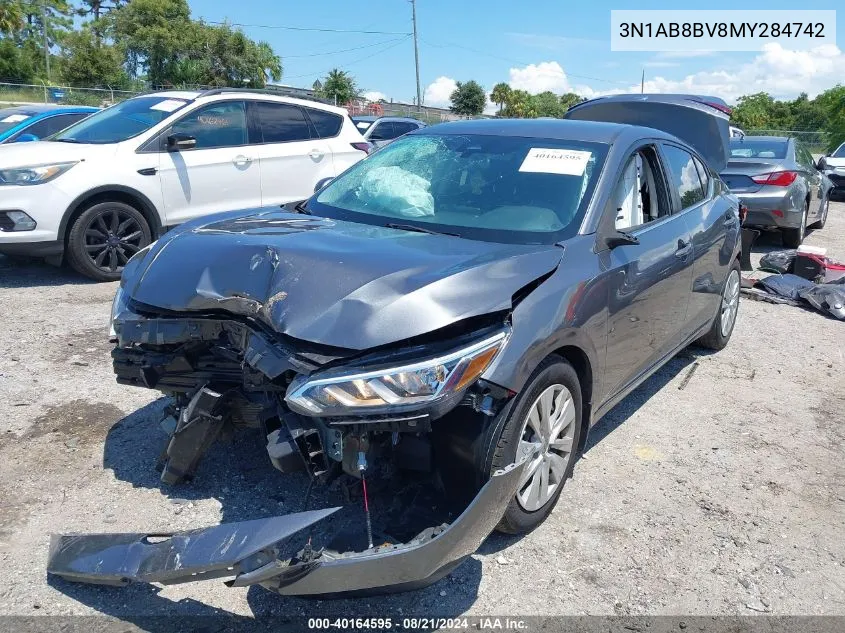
378, 390
121, 300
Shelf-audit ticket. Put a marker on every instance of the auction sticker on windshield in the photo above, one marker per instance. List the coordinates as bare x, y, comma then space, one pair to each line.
567, 162
168, 105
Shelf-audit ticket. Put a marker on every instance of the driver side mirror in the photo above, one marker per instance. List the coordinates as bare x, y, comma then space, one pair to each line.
322, 183
620, 238
178, 142
26, 138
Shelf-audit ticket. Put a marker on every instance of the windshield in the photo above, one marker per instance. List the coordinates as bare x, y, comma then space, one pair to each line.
763, 148
10, 118
122, 121
840, 152
494, 188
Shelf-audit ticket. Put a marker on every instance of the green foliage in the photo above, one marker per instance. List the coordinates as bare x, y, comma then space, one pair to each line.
468, 99
11, 17
15, 63
570, 99
548, 104
339, 86
88, 62
519, 104
500, 94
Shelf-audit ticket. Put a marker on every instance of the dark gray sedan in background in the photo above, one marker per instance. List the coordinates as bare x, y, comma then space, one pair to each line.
443, 322
780, 183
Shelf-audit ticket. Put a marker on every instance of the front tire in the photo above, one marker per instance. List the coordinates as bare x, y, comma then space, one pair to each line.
723, 325
544, 425
104, 237
823, 220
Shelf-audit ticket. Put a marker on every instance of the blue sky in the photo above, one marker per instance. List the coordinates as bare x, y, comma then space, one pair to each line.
532, 44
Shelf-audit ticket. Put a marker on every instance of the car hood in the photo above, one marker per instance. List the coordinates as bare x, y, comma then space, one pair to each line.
341, 284
834, 162
691, 118
43, 152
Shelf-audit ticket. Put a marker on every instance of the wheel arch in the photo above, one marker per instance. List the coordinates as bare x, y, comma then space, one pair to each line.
580, 362
117, 193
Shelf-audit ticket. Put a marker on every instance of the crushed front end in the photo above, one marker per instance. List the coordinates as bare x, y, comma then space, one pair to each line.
397, 420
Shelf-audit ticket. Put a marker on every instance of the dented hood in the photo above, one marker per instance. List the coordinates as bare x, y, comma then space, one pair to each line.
343, 284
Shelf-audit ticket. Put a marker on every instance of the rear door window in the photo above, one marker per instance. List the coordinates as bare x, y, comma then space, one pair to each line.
281, 123
683, 176
216, 125
383, 131
327, 124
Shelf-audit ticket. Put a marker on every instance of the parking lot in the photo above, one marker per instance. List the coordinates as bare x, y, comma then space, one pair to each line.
717, 487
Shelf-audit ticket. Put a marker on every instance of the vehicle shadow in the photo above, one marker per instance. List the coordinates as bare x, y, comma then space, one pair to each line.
34, 273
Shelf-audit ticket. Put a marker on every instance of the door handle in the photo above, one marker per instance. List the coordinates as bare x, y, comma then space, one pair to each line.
240, 160
684, 248
316, 154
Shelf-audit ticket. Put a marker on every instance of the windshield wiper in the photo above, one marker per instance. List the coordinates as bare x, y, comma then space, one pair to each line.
64, 140
418, 229
300, 208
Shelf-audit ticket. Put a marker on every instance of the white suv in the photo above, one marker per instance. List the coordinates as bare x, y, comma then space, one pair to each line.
104, 188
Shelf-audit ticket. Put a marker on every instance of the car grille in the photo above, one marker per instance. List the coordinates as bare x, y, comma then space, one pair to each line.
6, 223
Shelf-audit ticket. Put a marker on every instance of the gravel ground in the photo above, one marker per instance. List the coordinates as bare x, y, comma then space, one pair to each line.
722, 493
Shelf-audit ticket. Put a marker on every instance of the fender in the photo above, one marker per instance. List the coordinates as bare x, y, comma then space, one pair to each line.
147, 207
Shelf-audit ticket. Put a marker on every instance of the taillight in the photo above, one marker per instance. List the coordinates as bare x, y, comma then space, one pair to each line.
776, 178
363, 146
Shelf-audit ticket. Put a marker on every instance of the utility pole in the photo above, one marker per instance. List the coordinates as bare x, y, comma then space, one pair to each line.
46, 40
642, 83
416, 51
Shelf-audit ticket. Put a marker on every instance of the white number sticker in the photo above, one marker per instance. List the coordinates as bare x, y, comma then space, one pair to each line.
568, 162
168, 105
15, 118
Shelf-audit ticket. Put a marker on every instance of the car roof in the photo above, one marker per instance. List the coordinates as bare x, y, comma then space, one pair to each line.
558, 129
234, 94
45, 108
369, 117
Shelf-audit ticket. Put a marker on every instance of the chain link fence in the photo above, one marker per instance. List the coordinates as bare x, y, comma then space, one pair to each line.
14, 93
815, 141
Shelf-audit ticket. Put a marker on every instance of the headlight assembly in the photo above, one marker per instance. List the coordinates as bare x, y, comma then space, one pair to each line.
381, 390
118, 305
34, 174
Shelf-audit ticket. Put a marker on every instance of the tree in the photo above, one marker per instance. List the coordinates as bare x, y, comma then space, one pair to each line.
15, 63
11, 17
468, 99
339, 86
548, 104
521, 105
570, 99
88, 62
500, 94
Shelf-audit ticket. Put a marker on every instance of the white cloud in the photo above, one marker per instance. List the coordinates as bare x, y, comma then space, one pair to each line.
375, 95
536, 78
438, 93
781, 72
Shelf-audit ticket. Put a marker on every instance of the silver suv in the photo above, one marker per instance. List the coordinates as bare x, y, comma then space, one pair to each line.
381, 130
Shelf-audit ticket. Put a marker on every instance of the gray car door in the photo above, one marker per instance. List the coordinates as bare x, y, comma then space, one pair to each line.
649, 282
814, 181
713, 223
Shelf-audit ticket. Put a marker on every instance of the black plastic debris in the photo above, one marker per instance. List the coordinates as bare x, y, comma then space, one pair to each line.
789, 286
778, 261
829, 298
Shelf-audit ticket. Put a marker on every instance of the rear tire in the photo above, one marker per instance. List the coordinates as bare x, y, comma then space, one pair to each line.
551, 457
792, 238
104, 237
823, 220
725, 321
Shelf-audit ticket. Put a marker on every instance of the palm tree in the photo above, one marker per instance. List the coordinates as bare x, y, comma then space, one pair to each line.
11, 17
500, 95
340, 86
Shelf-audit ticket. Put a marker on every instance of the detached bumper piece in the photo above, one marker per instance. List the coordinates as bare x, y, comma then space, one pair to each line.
247, 552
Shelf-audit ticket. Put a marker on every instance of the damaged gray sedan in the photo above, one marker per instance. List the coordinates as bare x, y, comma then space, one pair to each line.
449, 317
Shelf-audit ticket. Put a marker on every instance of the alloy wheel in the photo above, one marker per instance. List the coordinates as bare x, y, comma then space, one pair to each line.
730, 302
546, 440
111, 238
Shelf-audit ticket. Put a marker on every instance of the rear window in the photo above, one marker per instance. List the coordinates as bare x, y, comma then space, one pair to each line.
327, 124
745, 148
281, 123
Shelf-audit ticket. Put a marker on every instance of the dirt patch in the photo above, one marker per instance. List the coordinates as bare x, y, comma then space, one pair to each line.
80, 420
82, 348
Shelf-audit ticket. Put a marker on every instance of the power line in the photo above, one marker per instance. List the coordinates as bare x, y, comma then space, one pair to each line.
516, 61
342, 50
355, 61
302, 28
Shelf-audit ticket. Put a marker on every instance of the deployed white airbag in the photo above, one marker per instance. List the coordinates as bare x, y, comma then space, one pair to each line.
401, 191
